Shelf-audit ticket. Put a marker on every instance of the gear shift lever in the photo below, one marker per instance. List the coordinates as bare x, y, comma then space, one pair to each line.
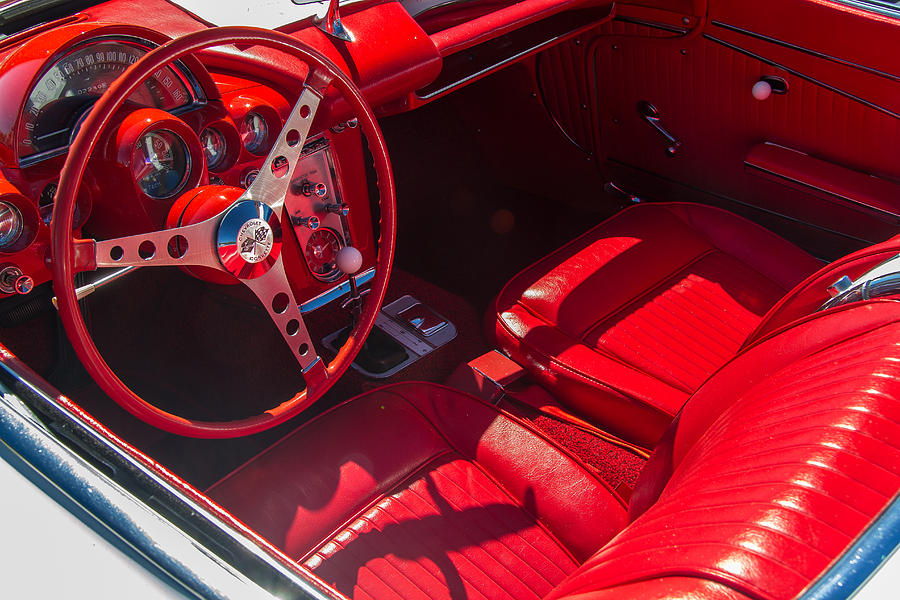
349, 261
380, 352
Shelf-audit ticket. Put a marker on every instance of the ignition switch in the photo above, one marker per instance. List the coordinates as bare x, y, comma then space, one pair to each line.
13, 281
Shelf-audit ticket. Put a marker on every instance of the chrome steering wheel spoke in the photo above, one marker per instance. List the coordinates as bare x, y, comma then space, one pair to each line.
271, 185
192, 245
274, 292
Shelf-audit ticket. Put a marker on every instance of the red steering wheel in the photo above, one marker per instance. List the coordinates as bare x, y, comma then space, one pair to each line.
216, 242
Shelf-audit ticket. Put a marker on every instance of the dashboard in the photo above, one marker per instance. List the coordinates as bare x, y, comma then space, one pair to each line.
184, 127
210, 119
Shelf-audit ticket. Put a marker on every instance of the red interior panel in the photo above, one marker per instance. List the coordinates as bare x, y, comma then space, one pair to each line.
839, 108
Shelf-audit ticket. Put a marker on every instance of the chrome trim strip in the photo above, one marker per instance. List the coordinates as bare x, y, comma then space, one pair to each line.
416, 8
511, 59
132, 521
884, 215
336, 292
741, 203
307, 368
880, 8
815, 53
802, 76
653, 25
861, 561
882, 280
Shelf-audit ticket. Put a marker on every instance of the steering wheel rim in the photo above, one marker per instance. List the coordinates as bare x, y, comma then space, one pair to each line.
66, 251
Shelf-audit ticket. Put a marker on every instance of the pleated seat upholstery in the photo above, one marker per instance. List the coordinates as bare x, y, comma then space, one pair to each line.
773, 467
623, 323
413, 491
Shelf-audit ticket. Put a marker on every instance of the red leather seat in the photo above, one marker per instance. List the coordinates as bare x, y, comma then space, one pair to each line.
623, 323
770, 471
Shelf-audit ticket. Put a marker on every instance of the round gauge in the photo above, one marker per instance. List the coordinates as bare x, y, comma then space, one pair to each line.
160, 163
71, 85
45, 206
254, 133
11, 223
321, 250
214, 147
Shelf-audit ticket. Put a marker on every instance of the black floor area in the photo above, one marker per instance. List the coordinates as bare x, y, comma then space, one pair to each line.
463, 225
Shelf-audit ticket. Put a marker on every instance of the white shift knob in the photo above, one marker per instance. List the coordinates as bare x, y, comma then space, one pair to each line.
348, 260
761, 90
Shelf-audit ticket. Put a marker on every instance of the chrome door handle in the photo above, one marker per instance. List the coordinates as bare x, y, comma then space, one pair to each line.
651, 115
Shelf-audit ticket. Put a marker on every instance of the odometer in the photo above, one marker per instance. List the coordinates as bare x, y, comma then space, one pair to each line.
69, 86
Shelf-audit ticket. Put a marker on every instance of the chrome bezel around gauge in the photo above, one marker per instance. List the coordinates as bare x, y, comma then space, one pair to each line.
326, 273
160, 153
58, 74
131, 137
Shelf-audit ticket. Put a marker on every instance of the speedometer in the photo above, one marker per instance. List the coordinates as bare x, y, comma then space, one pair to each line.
69, 86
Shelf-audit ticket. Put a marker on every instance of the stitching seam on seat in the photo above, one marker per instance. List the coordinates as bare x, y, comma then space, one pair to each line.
413, 473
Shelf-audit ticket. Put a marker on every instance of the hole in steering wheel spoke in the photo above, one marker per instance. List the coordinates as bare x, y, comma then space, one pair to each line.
147, 250
292, 137
177, 246
292, 327
304, 111
303, 350
116, 253
280, 166
280, 303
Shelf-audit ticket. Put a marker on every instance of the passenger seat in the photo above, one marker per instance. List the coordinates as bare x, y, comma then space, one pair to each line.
625, 322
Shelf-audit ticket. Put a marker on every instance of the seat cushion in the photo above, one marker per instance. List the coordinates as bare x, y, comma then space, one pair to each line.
419, 491
626, 321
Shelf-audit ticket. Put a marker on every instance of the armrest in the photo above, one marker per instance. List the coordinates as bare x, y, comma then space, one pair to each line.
830, 181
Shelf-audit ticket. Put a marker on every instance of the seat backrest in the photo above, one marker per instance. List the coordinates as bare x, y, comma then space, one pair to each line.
772, 468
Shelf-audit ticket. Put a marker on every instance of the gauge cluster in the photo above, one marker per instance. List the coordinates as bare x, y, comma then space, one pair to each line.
70, 85
180, 130
318, 213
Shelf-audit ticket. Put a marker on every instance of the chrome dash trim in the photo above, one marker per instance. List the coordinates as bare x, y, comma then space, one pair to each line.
805, 50
501, 63
755, 56
653, 25
336, 292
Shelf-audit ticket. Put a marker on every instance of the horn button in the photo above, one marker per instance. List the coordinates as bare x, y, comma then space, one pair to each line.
249, 239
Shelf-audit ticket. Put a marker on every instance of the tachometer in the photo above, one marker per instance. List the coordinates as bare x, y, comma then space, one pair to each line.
73, 83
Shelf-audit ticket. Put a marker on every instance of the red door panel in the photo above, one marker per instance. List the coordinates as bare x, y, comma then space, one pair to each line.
844, 115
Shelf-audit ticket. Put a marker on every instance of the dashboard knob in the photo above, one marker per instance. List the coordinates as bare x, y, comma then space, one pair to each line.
311, 223
24, 284
337, 209
308, 188
249, 177
348, 260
